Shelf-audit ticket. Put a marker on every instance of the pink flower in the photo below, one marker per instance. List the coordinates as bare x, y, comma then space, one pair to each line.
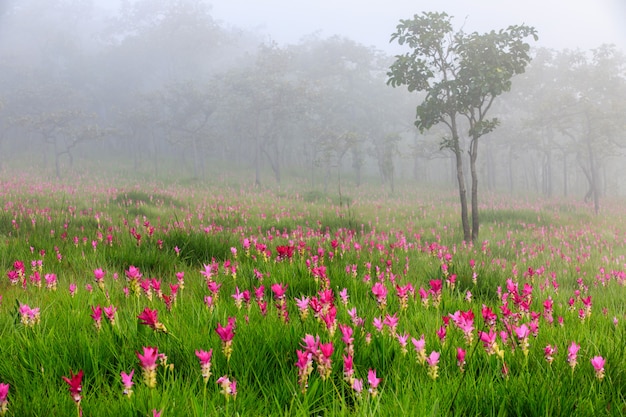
380, 292
127, 382
205, 363
4, 403
109, 312
148, 362
357, 386
549, 353
97, 316
460, 358
572, 353
279, 290
373, 382
229, 388
150, 318
225, 333
598, 364
74, 382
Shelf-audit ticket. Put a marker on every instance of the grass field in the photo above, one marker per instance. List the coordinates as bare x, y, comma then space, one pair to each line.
239, 301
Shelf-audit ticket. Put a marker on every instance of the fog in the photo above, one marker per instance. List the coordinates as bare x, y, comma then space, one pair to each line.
269, 92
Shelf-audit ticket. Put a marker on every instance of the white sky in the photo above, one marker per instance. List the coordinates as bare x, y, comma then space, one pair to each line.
560, 24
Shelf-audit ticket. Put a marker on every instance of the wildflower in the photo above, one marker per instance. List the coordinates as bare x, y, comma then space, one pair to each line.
420, 349
357, 386
133, 275
346, 337
303, 307
229, 388
51, 281
99, 277
324, 363
97, 317
29, 316
460, 358
441, 334
549, 353
205, 363
380, 292
74, 382
148, 363
343, 294
238, 297
4, 403
598, 364
522, 333
348, 368
226, 334
391, 321
403, 340
305, 367
433, 364
109, 312
373, 382
572, 353
127, 382
150, 318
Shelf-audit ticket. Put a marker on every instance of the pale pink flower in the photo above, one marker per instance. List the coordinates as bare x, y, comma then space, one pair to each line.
598, 365
127, 382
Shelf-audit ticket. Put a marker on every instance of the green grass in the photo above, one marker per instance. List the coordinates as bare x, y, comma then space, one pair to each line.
404, 239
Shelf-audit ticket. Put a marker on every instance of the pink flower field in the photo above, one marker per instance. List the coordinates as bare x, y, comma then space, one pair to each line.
169, 300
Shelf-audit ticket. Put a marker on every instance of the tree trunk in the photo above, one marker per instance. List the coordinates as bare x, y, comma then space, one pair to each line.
460, 176
475, 217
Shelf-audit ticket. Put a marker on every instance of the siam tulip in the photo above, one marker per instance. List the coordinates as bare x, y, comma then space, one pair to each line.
403, 293
72, 289
238, 297
324, 362
99, 277
148, 363
29, 316
441, 334
303, 307
180, 278
380, 292
433, 364
4, 403
424, 297
403, 340
460, 358
490, 343
420, 349
209, 302
97, 317
522, 332
127, 382
598, 365
229, 388
572, 353
357, 386
373, 382
347, 338
305, 367
378, 324
348, 369
51, 281
392, 323
549, 353
150, 318
435, 290
343, 295
205, 363
279, 291
75, 382
226, 334
133, 276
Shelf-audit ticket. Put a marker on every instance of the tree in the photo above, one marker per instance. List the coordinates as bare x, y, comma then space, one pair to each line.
461, 74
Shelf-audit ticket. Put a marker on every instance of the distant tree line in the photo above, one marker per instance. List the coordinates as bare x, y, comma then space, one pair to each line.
161, 88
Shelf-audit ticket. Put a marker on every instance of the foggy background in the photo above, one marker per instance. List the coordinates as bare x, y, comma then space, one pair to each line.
277, 90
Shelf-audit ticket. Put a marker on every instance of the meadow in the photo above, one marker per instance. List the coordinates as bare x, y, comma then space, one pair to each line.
123, 299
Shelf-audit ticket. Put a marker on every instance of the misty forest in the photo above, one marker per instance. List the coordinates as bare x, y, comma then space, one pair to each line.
160, 88
197, 220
